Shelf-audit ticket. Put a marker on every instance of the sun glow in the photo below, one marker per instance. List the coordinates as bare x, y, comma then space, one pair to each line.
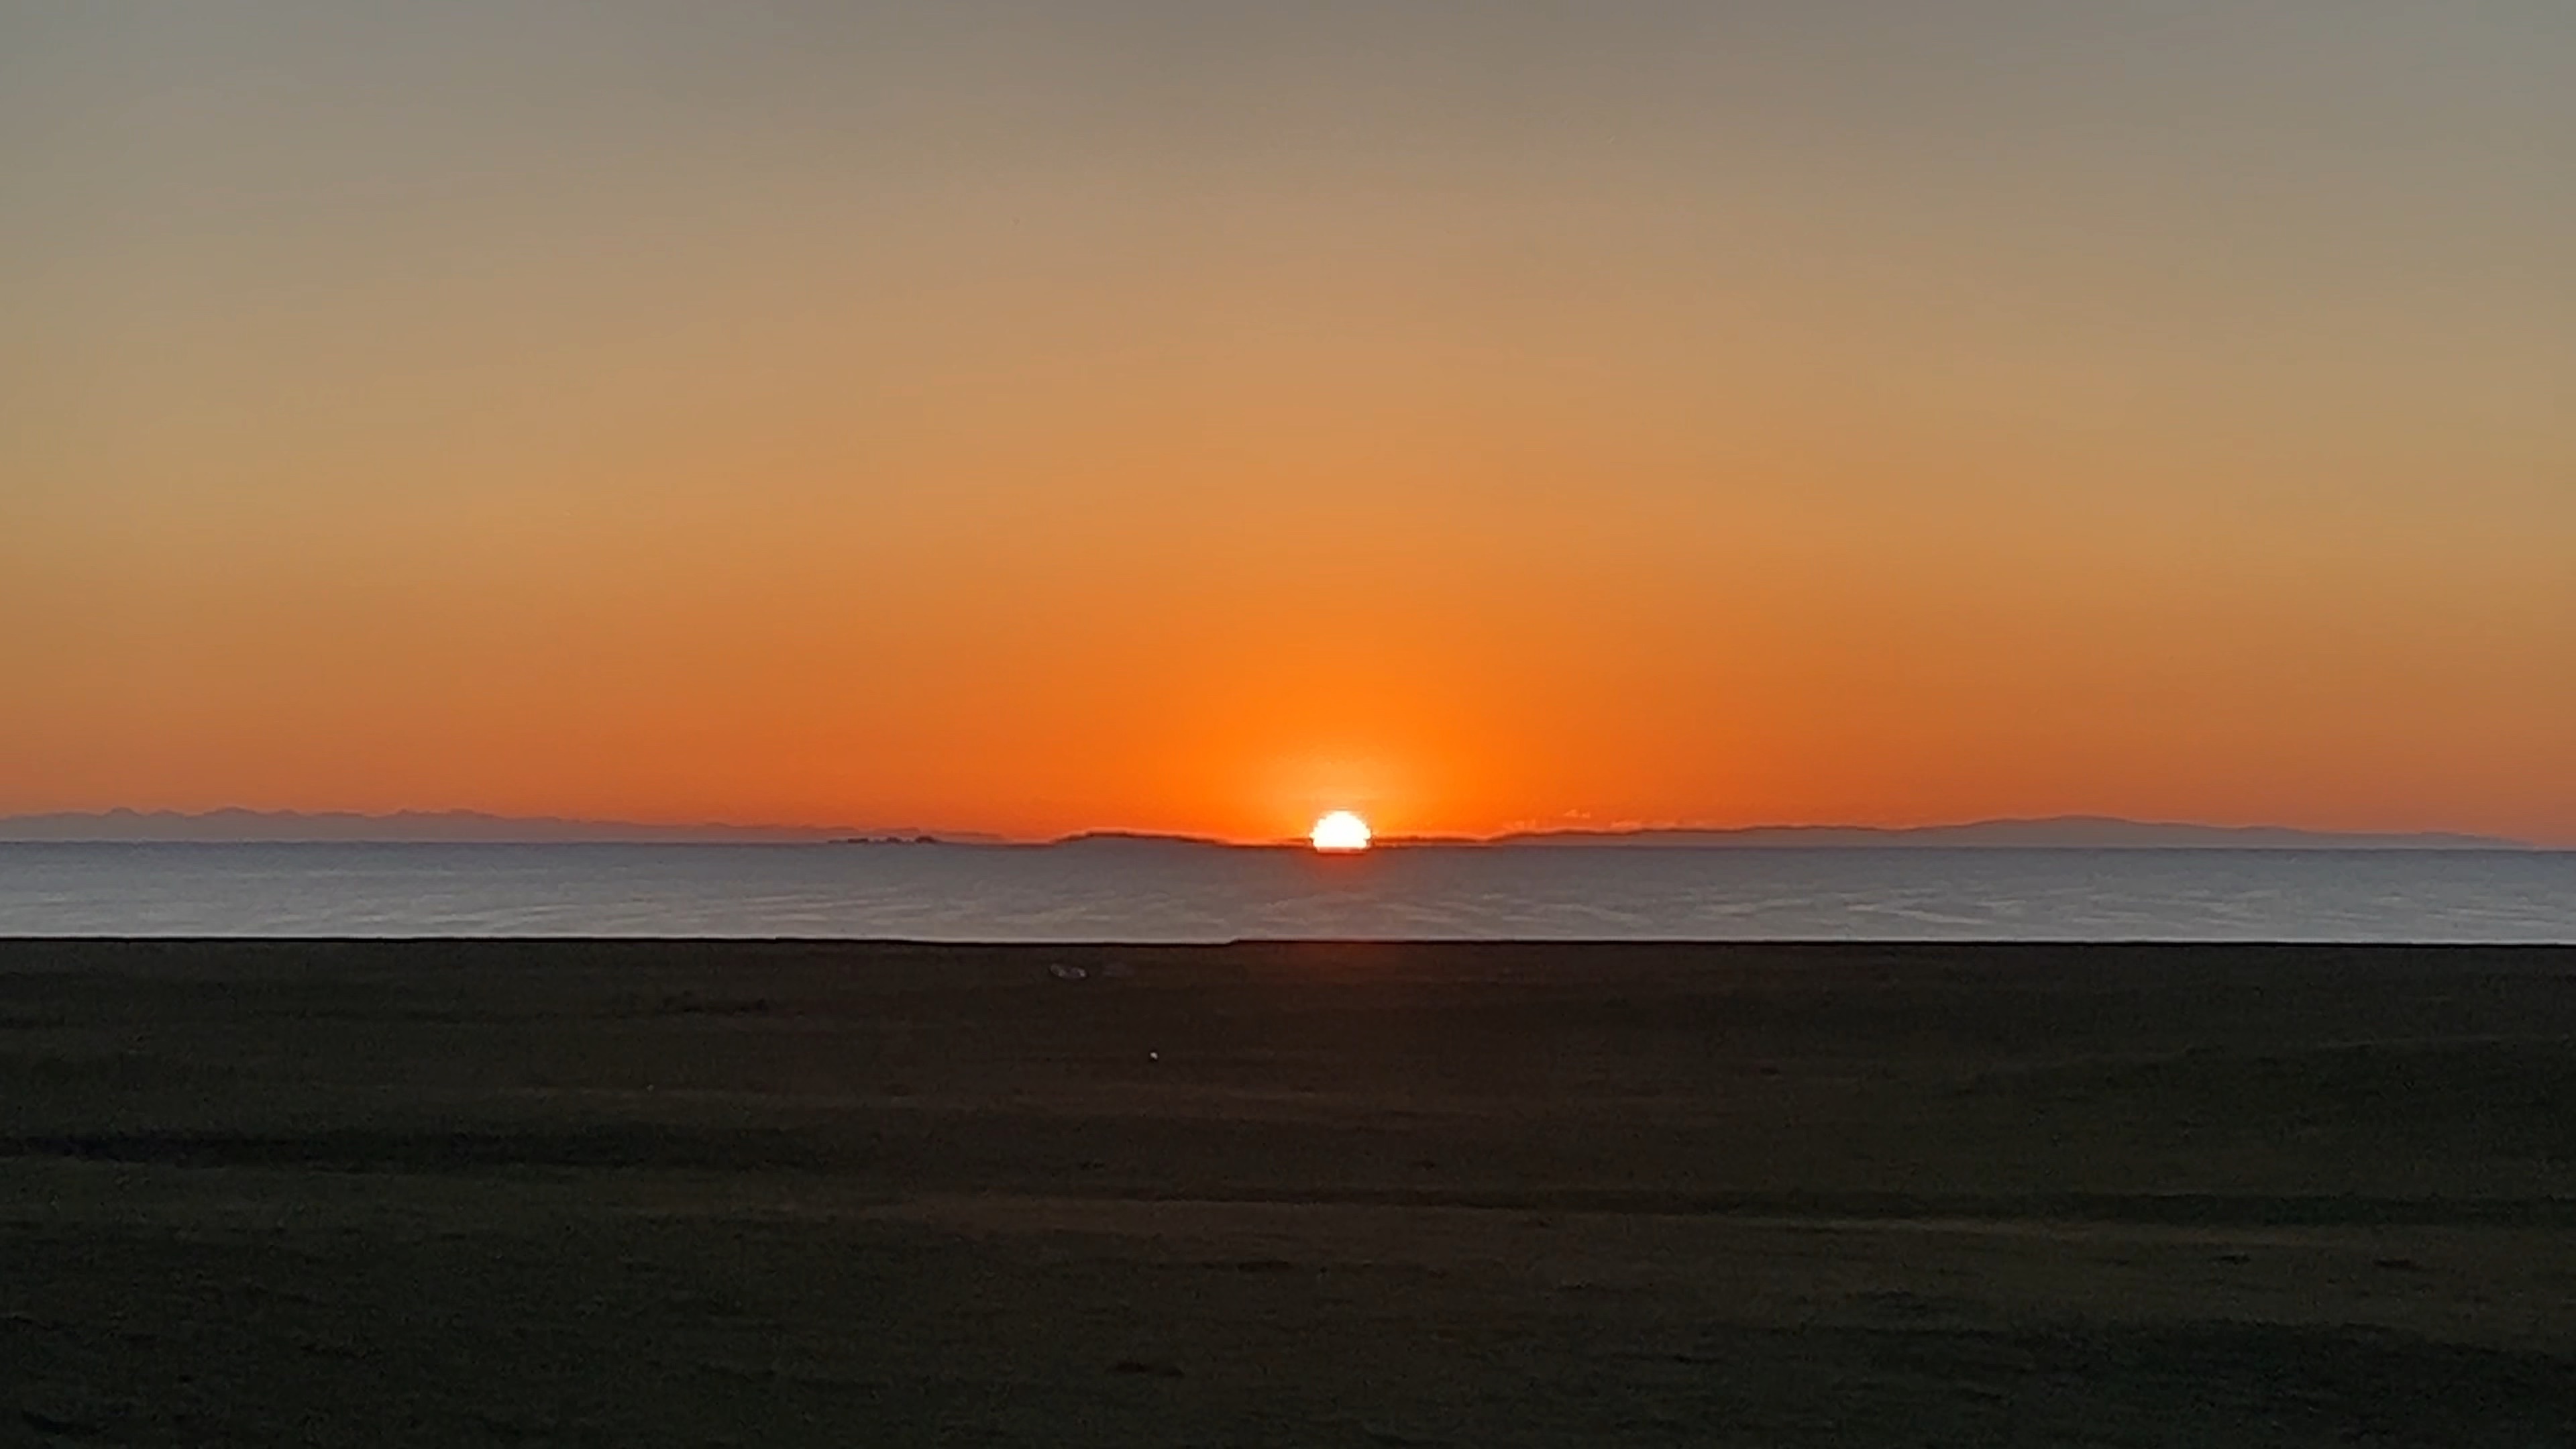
1341, 831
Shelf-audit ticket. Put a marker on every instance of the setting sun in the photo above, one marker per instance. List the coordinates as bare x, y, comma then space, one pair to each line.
1341, 831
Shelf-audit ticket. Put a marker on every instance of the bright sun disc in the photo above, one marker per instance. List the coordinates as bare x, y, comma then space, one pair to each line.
1341, 830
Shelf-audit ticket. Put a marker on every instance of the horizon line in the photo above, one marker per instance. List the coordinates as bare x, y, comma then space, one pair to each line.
721, 831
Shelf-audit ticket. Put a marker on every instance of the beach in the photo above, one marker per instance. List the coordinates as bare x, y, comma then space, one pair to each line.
635, 1193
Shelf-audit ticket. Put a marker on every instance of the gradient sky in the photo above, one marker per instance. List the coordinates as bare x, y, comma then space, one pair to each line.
1097, 413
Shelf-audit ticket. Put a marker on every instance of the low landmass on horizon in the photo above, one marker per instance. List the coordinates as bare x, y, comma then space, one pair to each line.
445, 827
466, 827
2069, 832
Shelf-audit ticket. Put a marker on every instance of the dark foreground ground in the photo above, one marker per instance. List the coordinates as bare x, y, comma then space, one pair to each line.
445, 1193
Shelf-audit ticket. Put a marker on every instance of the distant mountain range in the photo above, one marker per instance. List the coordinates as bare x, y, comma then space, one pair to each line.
2065, 832
2060, 832
458, 827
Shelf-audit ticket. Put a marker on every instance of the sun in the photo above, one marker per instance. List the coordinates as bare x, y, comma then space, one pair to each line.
1341, 831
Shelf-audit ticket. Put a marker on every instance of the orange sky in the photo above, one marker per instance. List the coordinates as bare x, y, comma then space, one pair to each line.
1039, 418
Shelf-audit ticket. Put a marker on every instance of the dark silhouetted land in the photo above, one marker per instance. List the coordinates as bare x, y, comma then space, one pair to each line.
468, 827
635, 1194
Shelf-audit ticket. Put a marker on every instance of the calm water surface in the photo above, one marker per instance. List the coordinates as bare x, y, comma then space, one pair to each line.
1129, 891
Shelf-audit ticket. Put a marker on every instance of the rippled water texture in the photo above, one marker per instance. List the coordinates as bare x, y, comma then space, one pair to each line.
1131, 891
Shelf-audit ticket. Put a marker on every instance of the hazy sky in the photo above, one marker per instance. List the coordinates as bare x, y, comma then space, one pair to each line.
1048, 415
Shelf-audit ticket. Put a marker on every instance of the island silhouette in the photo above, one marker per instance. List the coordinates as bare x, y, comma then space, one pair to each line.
467, 827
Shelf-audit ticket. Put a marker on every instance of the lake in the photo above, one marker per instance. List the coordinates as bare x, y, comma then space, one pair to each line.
1124, 890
